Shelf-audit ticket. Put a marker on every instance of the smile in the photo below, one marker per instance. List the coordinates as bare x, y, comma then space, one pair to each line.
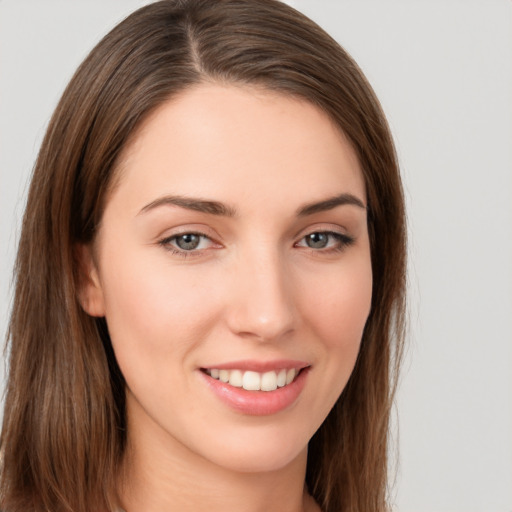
257, 388
254, 381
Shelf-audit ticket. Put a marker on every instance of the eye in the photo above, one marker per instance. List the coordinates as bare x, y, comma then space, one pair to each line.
326, 240
186, 243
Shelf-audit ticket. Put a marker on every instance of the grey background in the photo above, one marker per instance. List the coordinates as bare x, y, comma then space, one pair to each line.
443, 71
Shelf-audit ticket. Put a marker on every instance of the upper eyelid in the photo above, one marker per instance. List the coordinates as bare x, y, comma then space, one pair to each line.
210, 233
167, 244
175, 232
329, 232
322, 228
301, 234
299, 238
205, 229
177, 235
340, 238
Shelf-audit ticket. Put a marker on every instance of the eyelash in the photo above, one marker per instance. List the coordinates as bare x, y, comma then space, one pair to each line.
343, 240
166, 244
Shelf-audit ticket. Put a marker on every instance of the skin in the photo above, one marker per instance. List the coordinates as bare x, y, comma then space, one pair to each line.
253, 289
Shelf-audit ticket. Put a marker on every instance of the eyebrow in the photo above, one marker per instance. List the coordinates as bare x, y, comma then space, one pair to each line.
329, 204
221, 209
191, 203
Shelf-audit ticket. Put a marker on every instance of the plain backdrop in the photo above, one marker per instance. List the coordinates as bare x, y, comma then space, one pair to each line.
443, 72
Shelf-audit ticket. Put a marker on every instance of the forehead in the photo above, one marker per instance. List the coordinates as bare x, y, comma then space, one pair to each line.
238, 144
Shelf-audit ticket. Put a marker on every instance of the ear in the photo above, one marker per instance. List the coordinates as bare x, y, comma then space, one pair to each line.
90, 292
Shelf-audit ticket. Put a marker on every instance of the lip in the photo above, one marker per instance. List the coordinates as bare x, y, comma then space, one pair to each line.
258, 403
260, 366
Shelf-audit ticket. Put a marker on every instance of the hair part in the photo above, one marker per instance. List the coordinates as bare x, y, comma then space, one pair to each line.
64, 427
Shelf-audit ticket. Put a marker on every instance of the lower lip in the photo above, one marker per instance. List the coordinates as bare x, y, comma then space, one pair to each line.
258, 403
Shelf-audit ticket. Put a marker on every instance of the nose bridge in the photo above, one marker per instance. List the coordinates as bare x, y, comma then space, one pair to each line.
262, 305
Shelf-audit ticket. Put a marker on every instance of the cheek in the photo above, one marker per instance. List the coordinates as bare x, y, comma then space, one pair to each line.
337, 314
340, 305
155, 311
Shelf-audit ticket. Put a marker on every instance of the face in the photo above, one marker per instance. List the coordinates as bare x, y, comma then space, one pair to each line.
233, 268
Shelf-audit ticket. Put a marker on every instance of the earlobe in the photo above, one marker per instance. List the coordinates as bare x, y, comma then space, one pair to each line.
90, 292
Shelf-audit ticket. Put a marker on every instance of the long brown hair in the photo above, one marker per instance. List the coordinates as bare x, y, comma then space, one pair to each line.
64, 426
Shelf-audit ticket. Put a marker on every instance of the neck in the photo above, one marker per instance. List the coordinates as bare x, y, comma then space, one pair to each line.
160, 474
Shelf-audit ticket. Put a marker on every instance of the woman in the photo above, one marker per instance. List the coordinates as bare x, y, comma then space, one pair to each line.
210, 278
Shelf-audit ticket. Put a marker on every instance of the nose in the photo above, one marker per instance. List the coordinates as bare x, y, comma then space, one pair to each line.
261, 305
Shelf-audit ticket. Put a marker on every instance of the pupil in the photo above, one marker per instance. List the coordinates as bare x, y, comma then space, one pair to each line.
317, 240
188, 241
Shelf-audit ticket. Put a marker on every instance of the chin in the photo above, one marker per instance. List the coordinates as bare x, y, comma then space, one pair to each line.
252, 451
258, 461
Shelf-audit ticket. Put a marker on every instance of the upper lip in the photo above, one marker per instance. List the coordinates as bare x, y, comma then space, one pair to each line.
259, 366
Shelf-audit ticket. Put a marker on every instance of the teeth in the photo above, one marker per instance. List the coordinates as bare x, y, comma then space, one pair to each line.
251, 381
268, 381
281, 379
235, 378
254, 381
290, 375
